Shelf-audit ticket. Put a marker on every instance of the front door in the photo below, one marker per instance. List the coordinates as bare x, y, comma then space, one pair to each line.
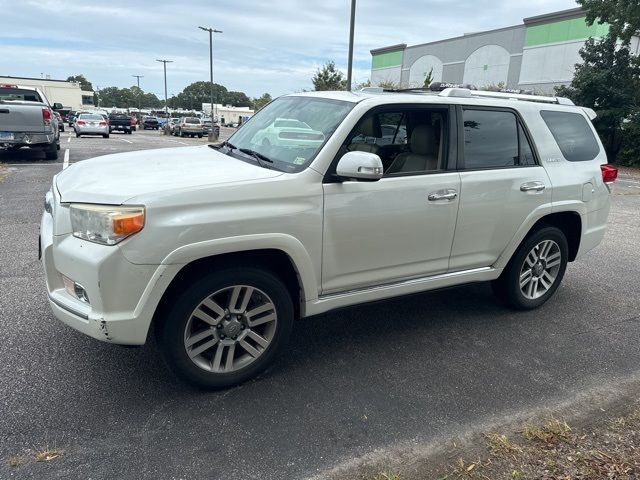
401, 226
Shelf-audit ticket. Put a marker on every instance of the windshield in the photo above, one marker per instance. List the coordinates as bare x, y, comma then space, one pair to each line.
290, 131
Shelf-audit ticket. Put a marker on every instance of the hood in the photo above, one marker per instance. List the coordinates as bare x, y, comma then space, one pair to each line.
113, 179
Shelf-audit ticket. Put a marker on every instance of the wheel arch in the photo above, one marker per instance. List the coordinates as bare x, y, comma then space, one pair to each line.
569, 222
275, 260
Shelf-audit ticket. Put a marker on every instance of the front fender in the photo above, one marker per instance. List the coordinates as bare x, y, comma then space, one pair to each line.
277, 241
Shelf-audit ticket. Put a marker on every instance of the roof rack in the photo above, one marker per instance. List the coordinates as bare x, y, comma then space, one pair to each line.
467, 93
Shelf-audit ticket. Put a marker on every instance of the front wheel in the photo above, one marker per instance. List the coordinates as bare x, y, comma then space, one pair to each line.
535, 271
227, 327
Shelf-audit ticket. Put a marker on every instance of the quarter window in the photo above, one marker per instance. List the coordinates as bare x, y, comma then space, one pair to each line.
572, 134
494, 139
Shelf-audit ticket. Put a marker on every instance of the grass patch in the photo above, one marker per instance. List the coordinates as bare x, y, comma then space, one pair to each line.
16, 461
47, 454
606, 449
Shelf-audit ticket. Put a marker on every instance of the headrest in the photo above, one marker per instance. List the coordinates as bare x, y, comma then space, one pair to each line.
423, 140
370, 127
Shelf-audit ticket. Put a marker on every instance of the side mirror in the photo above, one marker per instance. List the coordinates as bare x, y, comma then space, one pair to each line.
57, 106
360, 166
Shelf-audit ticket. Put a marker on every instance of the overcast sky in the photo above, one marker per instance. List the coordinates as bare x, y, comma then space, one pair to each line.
267, 46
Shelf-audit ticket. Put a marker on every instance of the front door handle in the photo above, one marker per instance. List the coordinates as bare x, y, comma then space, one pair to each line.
532, 187
442, 195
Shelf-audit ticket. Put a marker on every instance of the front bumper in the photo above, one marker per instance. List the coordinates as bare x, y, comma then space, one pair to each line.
123, 296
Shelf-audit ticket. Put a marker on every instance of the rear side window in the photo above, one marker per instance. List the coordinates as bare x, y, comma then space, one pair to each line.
14, 93
572, 134
494, 139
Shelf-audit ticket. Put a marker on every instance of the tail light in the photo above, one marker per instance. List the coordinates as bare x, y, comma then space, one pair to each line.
80, 122
131, 121
46, 116
609, 173
103, 124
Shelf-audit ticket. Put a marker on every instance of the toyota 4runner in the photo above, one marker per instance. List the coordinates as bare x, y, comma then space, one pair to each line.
221, 247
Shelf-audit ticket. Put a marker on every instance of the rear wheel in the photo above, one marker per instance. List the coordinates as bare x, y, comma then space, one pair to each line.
226, 327
535, 271
106, 135
51, 151
199, 135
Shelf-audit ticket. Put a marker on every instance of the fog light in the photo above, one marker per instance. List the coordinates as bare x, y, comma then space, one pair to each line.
75, 289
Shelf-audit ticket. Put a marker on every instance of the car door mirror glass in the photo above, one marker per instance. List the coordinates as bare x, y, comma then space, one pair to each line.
360, 166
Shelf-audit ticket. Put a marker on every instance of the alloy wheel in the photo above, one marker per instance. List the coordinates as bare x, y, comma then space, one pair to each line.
540, 269
230, 329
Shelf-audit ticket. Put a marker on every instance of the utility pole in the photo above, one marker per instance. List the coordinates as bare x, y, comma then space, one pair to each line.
211, 32
352, 27
166, 107
138, 77
98, 96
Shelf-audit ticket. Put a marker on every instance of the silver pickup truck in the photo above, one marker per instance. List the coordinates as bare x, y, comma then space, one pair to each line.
28, 120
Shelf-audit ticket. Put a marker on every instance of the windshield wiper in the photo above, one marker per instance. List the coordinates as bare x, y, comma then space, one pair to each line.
257, 155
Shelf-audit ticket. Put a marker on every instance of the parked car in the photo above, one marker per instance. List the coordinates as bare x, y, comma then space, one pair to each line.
206, 125
173, 123
28, 120
189, 127
224, 247
150, 123
71, 116
91, 124
289, 132
120, 122
60, 121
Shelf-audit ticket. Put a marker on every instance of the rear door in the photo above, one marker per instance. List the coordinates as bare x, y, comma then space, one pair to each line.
502, 183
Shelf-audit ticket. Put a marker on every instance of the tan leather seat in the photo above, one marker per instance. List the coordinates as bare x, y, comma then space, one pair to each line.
423, 155
370, 127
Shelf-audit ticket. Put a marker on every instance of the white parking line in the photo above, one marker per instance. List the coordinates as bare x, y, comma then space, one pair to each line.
69, 140
65, 163
128, 141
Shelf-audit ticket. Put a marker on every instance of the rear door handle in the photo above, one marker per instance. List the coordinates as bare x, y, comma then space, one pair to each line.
442, 195
532, 187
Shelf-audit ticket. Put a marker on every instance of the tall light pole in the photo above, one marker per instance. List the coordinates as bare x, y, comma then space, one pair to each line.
138, 77
351, 29
211, 32
166, 107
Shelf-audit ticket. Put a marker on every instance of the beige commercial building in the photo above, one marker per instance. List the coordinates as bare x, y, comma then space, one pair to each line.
227, 113
69, 94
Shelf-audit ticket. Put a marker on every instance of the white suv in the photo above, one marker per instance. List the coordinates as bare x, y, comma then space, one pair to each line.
222, 247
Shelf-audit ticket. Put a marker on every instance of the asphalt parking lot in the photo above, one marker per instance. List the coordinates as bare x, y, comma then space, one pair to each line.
405, 372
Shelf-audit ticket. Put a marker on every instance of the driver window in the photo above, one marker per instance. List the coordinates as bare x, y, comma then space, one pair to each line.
408, 141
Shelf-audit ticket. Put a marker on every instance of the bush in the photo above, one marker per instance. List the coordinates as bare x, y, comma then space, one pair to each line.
630, 152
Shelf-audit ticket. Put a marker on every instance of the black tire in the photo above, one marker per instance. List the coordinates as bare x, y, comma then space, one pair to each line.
51, 151
181, 134
507, 287
199, 135
170, 328
77, 135
106, 135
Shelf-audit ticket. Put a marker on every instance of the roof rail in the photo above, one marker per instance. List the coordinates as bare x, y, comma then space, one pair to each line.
465, 92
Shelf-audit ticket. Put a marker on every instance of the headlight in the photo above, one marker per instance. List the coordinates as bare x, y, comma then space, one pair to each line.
105, 224
48, 202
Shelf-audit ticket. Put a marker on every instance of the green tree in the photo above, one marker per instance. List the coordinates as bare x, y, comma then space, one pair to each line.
328, 77
84, 83
622, 16
258, 103
365, 84
236, 99
428, 78
607, 81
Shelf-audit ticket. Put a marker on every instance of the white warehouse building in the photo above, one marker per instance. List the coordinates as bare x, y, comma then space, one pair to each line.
537, 55
69, 94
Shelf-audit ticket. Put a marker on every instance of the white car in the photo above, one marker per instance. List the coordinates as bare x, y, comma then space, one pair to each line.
222, 247
91, 124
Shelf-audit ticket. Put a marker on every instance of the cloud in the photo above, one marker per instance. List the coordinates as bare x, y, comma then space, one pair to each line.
266, 46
